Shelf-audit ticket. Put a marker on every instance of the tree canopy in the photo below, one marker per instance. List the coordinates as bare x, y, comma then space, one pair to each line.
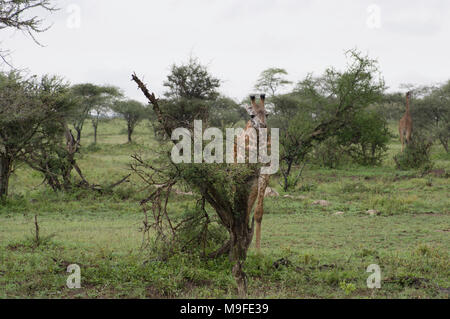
271, 80
133, 112
191, 80
321, 106
27, 107
93, 100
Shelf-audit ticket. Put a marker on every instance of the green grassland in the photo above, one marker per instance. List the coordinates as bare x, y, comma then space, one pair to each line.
308, 251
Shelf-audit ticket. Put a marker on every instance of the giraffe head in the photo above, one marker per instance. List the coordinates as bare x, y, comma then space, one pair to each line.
408, 94
257, 112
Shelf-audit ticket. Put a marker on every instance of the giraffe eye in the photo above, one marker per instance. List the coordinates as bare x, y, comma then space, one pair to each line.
252, 116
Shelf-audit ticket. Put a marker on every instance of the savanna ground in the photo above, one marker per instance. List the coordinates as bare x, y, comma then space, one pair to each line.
307, 250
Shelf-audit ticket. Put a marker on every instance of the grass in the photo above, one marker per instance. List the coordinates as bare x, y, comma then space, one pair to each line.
307, 250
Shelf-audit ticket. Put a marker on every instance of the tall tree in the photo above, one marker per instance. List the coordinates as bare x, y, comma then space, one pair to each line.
430, 110
225, 187
53, 149
93, 101
271, 80
191, 91
191, 80
24, 110
225, 112
324, 106
107, 96
133, 112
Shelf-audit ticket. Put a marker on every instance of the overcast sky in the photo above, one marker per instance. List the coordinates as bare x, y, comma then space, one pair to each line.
104, 41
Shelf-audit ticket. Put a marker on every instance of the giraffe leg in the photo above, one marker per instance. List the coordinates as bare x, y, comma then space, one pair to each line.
408, 137
402, 140
259, 210
252, 199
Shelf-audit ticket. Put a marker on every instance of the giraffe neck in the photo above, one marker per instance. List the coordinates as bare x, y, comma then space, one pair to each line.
250, 125
407, 105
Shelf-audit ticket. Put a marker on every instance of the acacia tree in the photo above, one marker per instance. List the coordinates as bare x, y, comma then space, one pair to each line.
224, 112
52, 151
15, 14
93, 101
191, 80
24, 111
224, 187
365, 137
191, 92
133, 112
107, 95
431, 113
271, 80
325, 105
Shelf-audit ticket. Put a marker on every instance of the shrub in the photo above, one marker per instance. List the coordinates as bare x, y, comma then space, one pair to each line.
328, 154
348, 288
416, 155
365, 138
200, 233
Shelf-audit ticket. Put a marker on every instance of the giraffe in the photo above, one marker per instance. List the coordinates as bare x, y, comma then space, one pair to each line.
258, 119
405, 125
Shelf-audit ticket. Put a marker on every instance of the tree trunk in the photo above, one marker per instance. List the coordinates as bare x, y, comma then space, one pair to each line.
130, 132
78, 130
95, 134
444, 143
286, 175
241, 238
5, 172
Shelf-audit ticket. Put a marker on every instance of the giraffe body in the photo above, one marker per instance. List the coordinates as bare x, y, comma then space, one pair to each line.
405, 124
258, 189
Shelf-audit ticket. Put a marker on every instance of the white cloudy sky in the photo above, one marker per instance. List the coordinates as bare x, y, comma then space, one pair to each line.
237, 39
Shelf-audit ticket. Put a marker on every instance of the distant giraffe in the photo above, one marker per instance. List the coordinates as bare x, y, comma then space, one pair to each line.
405, 125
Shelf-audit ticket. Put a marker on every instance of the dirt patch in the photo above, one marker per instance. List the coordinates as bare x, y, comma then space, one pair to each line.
322, 203
373, 212
438, 173
301, 197
444, 290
